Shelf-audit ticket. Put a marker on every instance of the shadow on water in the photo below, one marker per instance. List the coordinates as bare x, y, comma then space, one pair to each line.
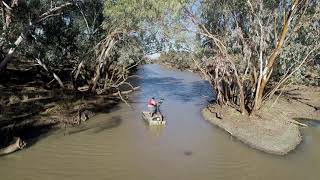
175, 88
113, 122
34, 134
104, 107
30, 132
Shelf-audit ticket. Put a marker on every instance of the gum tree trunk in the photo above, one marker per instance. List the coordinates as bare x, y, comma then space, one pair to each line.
19, 40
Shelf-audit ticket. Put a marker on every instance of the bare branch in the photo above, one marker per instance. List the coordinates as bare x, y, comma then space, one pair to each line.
287, 76
204, 31
7, 6
56, 77
44, 16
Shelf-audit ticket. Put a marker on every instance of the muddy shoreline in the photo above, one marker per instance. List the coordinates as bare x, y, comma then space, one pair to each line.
275, 129
259, 137
30, 108
31, 117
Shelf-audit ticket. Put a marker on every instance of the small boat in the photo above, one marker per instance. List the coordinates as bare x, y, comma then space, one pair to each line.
157, 119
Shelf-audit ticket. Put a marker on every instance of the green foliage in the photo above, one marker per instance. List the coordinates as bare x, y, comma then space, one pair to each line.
150, 26
61, 40
65, 40
150, 21
238, 28
128, 15
127, 52
178, 59
298, 45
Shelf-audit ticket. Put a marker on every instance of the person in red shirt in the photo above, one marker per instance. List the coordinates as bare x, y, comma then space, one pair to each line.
152, 105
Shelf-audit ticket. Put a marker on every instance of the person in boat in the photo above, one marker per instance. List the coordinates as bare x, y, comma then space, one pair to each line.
152, 105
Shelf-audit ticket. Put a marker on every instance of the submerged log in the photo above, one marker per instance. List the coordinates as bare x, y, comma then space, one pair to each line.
126, 92
17, 145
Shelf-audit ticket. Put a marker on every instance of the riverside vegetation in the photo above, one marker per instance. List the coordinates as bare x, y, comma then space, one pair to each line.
252, 53
63, 61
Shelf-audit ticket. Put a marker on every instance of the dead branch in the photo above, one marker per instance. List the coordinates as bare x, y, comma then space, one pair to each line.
287, 76
6, 5
105, 49
56, 77
16, 145
51, 12
126, 92
77, 74
297, 123
225, 80
202, 70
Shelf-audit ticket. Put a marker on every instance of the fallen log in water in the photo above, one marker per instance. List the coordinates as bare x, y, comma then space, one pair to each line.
17, 145
126, 92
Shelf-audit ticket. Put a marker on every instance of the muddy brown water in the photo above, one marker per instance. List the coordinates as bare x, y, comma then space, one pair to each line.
119, 145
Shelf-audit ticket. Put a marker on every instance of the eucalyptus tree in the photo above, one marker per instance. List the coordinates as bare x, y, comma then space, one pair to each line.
22, 17
126, 19
54, 34
250, 40
100, 41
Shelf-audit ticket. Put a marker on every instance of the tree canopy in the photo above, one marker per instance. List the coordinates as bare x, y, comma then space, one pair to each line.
258, 46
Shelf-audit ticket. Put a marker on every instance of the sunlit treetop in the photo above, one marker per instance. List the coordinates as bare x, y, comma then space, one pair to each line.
128, 15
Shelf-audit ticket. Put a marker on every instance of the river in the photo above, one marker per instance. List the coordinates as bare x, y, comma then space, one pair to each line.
120, 146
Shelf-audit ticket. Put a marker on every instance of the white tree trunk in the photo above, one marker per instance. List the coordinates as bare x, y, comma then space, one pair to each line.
10, 53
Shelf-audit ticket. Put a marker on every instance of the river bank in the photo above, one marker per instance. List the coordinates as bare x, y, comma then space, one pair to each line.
119, 145
190, 66
32, 103
30, 109
276, 127
29, 112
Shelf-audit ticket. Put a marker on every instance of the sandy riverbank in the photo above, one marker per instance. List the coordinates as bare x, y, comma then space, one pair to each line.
274, 129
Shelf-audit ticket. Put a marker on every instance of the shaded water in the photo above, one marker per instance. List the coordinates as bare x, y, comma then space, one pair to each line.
119, 145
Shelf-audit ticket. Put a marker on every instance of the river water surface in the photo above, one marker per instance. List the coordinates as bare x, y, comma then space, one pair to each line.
120, 146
